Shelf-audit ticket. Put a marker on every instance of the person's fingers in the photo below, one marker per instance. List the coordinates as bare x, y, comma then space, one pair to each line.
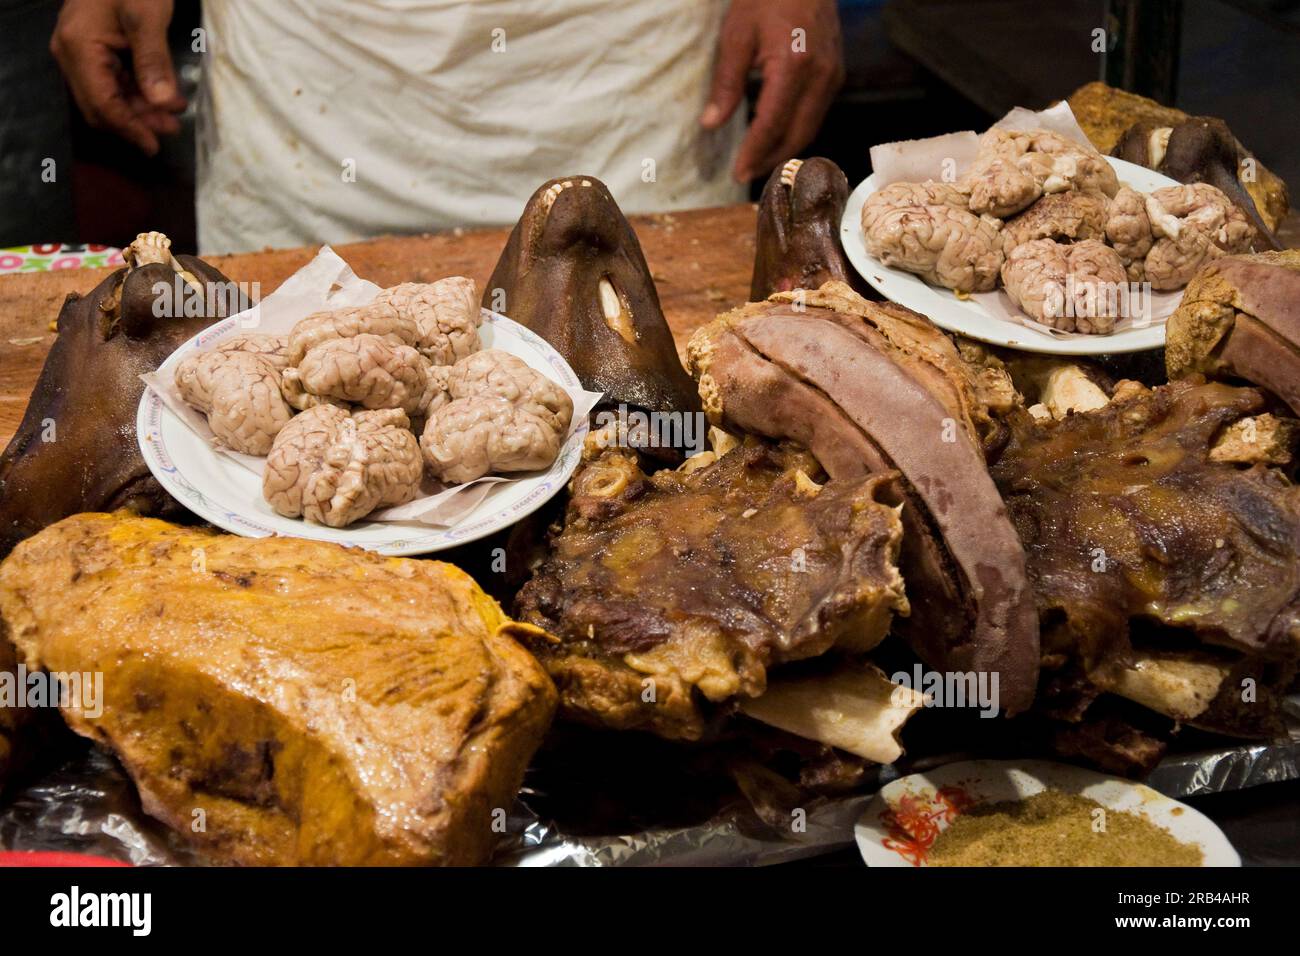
782, 87
737, 44
161, 122
94, 76
145, 24
806, 117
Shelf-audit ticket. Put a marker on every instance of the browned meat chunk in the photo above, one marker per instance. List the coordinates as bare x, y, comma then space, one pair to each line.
1131, 527
675, 591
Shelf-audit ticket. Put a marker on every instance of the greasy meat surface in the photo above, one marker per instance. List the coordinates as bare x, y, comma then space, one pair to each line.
75, 449
574, 273
1125, 517
868, 387
676, 588
798, 241
1240, 318
318, 704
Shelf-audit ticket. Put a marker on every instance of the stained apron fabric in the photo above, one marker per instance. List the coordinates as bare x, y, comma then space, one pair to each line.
329, 120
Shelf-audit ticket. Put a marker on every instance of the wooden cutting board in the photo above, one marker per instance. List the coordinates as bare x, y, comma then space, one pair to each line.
701, 262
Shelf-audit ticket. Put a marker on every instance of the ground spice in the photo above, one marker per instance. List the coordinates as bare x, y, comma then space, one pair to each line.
1053, 828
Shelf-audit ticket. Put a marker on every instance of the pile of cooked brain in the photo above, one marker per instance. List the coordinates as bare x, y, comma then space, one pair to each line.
1047, 217
336, 405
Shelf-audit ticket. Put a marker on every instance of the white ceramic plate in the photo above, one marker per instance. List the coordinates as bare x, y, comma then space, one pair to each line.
930, 801
230, 496
966, 317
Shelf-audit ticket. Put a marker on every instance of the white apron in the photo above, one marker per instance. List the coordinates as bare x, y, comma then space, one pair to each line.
330, 120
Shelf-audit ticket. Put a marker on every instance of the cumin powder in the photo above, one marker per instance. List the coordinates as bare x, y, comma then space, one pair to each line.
1053, 828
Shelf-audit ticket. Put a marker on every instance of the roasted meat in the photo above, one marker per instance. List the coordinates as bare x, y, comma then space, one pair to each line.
283, 701
1240, 318
75, 449
674, 593
869, 387
798, 242
574, 273
1165, 571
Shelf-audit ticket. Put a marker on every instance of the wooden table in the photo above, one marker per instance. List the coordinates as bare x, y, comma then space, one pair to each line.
701, 262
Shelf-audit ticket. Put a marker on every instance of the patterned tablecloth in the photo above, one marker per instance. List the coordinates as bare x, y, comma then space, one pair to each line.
47, 257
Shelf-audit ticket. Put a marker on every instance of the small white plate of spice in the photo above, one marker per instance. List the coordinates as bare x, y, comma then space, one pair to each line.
1033, 813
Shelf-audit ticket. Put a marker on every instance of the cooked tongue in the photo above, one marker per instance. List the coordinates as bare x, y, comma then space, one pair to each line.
858, 404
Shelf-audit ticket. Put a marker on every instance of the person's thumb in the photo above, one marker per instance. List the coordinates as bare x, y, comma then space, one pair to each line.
735, 54
145, 24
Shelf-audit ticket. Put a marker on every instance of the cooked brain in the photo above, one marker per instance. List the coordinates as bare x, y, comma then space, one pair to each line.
1066, 216
502, 415
239, 391
944, 245
382, 320
1190, 225
1015, 167
446, 315
494, 372
274, 348
366, 370
333, 468
1074, 287
470, 437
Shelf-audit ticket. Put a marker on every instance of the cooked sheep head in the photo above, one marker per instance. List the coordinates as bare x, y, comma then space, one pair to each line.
1239, 319
1144, 534
75, 449
868, 387
573, 272
798, 242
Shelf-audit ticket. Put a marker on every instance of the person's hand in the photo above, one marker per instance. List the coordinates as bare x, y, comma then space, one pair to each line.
86, 42
797, 86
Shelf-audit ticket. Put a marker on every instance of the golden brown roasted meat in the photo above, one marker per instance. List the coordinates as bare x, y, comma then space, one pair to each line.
1135, 523
682, 587
282, 701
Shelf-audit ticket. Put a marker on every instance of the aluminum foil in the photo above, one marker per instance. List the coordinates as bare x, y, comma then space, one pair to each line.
88, 805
